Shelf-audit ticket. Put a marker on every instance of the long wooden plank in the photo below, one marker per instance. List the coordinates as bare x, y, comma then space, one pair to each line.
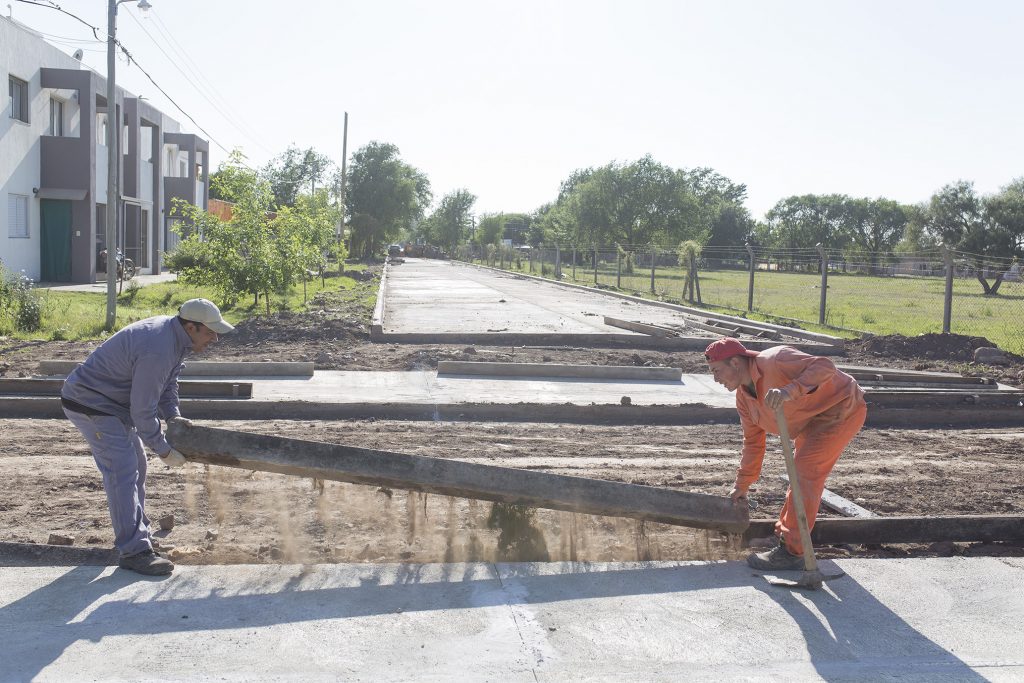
207, 368
877, 530
486, 368
642, 328
834, 501
455, 478
186, 389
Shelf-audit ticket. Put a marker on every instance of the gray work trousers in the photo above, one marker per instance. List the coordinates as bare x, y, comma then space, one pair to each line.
121, 459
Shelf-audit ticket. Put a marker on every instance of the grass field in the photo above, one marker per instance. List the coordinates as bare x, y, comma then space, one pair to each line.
81, 315
879, 305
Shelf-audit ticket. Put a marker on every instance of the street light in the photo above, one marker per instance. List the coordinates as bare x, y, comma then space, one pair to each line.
113, 159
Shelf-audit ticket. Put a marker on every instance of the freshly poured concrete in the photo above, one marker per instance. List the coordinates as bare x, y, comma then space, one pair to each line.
429, 388
952, 619
427, 296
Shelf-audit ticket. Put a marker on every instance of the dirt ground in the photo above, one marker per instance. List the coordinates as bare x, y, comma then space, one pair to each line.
228, 516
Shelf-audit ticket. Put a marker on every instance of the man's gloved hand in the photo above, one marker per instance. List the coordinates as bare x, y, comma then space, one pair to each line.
178, 419
738, 495
173, 458
775, 398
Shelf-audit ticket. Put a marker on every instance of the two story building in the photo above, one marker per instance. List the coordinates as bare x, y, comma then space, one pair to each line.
53, 165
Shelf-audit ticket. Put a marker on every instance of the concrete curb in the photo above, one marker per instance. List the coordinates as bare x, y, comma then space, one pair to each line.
207, 368
811, 336
596, 340
953, 414
458, 367
42, 555
377, 322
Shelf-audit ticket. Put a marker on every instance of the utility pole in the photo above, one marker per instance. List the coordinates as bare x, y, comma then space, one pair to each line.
112, 189
341, 193
113, 160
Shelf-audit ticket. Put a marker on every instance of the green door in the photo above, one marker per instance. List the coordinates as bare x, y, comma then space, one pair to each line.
55, 240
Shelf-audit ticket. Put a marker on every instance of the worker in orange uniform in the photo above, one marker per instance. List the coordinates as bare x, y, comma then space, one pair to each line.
824, 410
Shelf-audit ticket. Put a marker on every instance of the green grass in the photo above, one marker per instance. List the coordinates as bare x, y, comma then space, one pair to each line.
879, 305
81, 315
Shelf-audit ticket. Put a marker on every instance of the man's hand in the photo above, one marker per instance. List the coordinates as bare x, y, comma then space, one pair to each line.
775, 398
173, 458
738, 495
178, 419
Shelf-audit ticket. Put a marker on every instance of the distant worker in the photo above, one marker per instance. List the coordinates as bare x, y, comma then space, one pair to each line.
824, 410
116, 399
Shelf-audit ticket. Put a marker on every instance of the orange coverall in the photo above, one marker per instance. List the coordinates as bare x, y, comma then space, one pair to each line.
825, 411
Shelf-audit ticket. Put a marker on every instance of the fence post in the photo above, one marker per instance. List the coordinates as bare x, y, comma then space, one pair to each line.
595, 264
531, 259
618, 267
695, 283
824, 284
574, 263
654, 261
558, 262
750, 283
947, 304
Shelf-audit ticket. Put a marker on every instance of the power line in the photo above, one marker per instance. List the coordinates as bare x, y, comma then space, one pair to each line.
195, 69
213, 104
96, 30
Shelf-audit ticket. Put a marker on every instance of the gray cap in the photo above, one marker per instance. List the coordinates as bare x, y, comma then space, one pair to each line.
206, 312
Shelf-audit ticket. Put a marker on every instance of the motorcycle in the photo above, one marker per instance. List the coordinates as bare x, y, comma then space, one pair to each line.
125, 266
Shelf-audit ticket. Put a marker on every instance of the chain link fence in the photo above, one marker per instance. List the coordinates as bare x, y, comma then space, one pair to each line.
879, 293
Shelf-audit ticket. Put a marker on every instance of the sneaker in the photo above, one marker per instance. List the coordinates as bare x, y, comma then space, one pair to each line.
778, 558
147, 562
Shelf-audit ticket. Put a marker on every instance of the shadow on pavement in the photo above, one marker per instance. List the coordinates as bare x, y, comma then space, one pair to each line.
848, 633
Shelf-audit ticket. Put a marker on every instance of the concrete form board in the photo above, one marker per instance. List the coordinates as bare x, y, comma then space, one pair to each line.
338, 462
455, 367
951, 619
232, 369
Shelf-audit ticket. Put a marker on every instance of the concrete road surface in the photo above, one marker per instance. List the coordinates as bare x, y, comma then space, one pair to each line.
429, 296
952, 619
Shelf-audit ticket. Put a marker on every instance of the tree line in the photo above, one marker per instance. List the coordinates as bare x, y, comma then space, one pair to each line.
640, 203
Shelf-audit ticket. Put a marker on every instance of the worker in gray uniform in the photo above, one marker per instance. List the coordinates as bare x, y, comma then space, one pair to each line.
117, 397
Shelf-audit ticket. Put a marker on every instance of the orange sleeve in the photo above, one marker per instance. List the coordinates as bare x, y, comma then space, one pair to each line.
806, 372
752, 457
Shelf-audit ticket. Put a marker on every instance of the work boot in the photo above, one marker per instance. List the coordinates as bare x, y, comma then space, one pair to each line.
147, 562
777, 559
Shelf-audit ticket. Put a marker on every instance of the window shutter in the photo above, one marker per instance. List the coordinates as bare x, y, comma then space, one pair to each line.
17, 215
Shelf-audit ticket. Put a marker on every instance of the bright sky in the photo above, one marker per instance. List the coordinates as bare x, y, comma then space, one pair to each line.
867, 98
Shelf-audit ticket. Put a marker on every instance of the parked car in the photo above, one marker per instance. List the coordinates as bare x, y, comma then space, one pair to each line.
395, 250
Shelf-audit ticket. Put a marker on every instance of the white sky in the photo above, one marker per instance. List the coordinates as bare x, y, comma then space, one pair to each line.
867, 98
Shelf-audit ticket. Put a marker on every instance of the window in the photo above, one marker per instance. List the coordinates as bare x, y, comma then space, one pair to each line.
17, 215
19, 98
56, 117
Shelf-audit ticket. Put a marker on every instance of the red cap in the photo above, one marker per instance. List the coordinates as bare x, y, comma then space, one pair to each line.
726, 348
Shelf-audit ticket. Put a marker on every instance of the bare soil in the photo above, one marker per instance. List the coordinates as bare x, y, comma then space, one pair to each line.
231, 516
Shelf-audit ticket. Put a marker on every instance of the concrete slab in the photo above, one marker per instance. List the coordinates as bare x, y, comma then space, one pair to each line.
332, 395
448, 302
949, 619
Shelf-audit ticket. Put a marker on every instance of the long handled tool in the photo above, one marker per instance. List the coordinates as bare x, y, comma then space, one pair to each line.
811, 578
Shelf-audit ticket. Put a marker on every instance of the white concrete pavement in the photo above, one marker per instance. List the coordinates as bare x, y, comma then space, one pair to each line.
949, 619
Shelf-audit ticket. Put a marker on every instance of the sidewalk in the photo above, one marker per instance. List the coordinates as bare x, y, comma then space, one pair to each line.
101, 284
948, 619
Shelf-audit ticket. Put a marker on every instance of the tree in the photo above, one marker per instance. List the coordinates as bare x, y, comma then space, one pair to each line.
385, 196
490, 228
257, 251
637, 203
957, 215
1006, 211
449, 225
293, 171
